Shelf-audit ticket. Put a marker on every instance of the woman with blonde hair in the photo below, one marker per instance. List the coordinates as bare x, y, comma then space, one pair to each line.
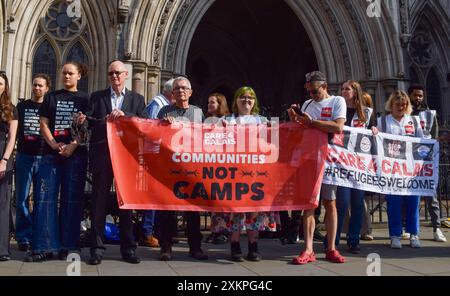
400, 122
246, 112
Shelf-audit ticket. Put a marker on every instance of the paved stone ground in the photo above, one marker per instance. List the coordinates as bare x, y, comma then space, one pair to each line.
432, 259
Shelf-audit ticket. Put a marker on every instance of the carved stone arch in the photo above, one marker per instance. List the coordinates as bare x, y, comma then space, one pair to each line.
99, 39
415, 70
147, 22
434, 92
321, 34
435, 24
342, 14
26, 15
53, 73
181, 29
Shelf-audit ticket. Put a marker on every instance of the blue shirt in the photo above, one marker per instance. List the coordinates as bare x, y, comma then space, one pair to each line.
156, 104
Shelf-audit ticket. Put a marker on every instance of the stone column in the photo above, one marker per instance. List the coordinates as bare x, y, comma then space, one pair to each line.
139, 77
153, 82
370, 87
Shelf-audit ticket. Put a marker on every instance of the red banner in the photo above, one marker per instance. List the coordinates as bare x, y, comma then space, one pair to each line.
203, 167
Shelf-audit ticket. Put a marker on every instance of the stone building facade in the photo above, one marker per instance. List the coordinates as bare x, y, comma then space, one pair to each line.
223, 44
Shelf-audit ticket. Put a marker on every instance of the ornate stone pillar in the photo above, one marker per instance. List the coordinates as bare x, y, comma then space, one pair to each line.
153, 81
333, 89
139, 77
370, 87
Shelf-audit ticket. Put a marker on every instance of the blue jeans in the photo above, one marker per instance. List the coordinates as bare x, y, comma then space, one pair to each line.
53, 232
395, 210
344, 197
149, 222
27, 168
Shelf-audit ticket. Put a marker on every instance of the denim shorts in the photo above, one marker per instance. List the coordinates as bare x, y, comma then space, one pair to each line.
328, 192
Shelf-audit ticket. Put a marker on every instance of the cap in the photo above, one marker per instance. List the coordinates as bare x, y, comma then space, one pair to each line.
315, 76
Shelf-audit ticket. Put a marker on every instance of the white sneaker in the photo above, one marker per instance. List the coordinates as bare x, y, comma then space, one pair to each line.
395, 242
406, 235
439, 236
414, 241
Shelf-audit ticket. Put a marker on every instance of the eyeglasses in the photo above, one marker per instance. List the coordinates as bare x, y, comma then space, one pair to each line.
117, 73
181, 88
243, 98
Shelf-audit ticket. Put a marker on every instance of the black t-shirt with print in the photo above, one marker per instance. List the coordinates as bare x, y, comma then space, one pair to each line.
29, 140
59, 107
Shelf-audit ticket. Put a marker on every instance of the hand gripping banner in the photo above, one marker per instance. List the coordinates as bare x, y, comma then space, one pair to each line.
384, 163
204, 167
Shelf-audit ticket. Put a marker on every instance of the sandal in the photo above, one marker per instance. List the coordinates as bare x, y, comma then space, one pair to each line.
304, 258
334, 256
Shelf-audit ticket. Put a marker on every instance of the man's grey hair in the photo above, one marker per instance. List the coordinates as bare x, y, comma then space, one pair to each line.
168, 86
179, 78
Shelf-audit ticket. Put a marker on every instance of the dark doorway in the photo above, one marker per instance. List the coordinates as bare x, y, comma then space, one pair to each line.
257, 43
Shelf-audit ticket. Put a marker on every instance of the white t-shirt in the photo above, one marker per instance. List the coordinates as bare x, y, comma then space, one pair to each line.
404, 127
246, 119
328, 109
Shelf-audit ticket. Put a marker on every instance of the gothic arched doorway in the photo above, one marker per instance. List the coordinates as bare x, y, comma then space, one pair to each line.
258, 43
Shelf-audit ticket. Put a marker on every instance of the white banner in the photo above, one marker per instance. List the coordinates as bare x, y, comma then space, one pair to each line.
384, 163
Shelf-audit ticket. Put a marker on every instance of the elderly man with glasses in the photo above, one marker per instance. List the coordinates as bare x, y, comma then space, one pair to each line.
109, 104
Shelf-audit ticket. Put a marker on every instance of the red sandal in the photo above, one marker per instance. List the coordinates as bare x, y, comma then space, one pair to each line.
304, 258
334, 256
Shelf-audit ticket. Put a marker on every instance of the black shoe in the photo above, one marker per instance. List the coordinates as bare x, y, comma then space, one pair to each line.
62, 255
236, 252
131, 258
220, 239
175, 241
5, 258
354, 249
283, 240
253, 254
38, 257
209, 239
166, 252
198, 254
24, 247
95, 260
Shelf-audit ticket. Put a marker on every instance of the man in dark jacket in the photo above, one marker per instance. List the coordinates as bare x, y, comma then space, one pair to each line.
428, 121
109, 104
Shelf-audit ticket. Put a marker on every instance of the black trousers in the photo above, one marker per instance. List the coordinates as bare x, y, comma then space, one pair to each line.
290, 226
5, 203
166, 222
101, 198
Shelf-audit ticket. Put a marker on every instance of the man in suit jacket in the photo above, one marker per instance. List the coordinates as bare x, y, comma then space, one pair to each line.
109, 104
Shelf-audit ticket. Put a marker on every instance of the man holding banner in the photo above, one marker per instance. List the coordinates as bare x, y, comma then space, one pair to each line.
109, 104
428, 121
328, 114
166, 220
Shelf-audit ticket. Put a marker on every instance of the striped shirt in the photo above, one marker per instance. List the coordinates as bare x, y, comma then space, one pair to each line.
155, 105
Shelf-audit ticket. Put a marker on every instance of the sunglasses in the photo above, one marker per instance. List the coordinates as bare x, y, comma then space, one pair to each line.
117, 73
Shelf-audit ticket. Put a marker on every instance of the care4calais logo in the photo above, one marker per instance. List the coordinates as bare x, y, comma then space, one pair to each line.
423, 151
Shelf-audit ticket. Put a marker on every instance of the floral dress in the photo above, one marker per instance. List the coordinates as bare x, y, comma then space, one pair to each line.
258, 221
